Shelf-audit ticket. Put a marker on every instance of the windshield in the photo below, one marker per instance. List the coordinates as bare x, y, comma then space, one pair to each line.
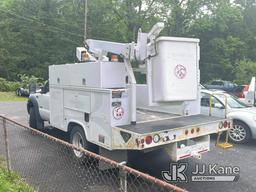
232, 101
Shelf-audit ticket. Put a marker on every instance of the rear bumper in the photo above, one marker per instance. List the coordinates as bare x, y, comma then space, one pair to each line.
128, 140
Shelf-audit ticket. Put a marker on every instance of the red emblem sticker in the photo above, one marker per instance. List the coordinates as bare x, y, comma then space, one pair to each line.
180, 71
118, 113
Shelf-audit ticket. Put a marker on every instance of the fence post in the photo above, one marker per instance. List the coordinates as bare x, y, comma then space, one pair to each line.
123, 180
6, 145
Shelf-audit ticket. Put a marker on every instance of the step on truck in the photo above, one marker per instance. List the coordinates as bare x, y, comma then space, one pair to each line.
98, 102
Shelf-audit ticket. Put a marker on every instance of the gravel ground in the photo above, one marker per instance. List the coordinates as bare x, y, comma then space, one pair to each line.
155, 162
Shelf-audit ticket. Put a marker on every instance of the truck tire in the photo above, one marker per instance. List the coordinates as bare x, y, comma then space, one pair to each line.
32, 118
78, 138
240, 133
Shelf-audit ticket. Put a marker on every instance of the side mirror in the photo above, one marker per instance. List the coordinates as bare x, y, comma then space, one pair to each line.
45, 88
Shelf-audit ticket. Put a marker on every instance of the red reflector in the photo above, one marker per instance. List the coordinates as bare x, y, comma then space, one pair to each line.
225, 124
148, 140
203, 151
185, 156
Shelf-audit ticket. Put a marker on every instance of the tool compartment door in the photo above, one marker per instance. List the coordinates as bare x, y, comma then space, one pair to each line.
56, 107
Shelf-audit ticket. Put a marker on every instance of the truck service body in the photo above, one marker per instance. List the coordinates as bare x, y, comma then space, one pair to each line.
101, 98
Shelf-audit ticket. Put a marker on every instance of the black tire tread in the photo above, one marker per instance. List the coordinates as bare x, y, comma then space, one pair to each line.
32, 118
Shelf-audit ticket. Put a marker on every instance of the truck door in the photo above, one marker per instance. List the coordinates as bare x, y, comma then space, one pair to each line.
43, 101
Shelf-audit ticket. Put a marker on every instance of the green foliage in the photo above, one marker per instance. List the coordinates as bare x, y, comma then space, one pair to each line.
245, 71
36, 34
24, 81
8, 85
27, 79
11, 182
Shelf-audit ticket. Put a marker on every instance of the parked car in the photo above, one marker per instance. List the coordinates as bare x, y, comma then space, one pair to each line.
31, 88
22, 92
243, 116
241, 91
222, 85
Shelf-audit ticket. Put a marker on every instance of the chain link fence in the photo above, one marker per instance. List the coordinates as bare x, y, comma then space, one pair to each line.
47, 164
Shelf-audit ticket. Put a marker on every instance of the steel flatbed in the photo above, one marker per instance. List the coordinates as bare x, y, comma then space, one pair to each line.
150, 121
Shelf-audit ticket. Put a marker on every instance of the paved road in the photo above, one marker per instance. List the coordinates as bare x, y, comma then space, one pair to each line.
154, 163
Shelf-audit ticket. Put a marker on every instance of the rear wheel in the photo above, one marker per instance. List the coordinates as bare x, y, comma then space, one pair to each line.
78, 139
239, 133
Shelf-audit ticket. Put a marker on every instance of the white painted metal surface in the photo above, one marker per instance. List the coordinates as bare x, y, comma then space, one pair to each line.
250, 95
90, 74
175, 69
79, 51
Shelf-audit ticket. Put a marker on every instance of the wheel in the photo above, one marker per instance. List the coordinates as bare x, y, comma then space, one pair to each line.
18, 92
78, 138
32, 118
239, 133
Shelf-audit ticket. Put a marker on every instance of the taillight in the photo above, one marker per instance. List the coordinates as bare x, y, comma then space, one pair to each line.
186, 132
148, 140
197, 129
114, 58
225, 124
192, 131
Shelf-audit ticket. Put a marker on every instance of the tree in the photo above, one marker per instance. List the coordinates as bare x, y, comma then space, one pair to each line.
245, 71
35, 34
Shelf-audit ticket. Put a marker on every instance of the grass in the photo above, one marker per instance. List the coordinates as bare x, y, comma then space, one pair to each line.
11, 181
10, 96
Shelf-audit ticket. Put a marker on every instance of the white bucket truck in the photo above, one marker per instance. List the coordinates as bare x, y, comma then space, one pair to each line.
98, 102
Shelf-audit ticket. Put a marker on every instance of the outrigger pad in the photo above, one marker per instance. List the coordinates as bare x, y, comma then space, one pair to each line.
224, 145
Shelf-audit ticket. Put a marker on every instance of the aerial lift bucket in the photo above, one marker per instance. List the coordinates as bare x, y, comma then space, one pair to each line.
225, 144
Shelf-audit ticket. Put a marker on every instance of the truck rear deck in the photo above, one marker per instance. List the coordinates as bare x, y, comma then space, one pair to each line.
183, 136
151, 121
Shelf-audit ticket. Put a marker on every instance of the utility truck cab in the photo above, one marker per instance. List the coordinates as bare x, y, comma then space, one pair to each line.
98, 102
